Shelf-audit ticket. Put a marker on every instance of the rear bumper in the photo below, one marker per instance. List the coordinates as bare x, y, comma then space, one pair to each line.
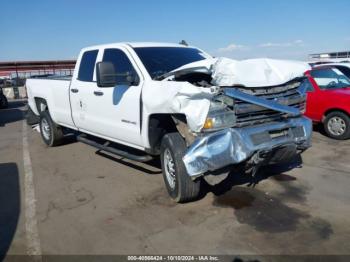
216, 150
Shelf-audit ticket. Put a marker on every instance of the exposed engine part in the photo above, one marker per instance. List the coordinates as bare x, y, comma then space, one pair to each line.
181, 125
195, 78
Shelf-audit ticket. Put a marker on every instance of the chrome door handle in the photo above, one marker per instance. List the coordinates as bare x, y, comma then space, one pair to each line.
74, 90
98, 93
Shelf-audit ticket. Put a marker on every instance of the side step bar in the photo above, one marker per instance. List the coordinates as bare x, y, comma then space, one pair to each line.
104, 147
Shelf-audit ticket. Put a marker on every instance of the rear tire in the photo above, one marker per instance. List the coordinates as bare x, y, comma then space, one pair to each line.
51, 133
337, 125
179, 184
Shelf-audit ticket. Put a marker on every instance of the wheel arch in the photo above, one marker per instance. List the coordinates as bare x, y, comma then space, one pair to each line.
40, 104
331, 110
162, 124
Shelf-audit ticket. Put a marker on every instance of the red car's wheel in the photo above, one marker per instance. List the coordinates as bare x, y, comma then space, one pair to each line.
337, 125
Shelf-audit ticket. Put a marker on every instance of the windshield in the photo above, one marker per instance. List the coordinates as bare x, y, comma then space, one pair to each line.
330, 78
161, 60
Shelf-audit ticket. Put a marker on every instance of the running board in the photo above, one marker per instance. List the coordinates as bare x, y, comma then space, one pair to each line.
112, 150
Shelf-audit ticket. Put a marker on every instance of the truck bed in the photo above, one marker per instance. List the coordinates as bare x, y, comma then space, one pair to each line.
54, 90
52, 77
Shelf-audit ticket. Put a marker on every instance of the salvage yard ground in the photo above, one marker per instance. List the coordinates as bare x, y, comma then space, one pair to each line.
91, 203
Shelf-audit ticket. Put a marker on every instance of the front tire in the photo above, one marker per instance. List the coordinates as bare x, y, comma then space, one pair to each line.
51, 133
337, 125
180, 186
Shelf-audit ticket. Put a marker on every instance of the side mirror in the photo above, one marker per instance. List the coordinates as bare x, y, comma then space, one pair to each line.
105, 74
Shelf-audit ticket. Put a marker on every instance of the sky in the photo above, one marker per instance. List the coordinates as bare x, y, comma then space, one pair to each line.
239, 29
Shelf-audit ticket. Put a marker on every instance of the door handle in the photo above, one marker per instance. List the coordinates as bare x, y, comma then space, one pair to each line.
74, 90
98, 93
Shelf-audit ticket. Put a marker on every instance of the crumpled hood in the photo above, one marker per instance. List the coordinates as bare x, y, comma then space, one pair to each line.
202, 66
260, 72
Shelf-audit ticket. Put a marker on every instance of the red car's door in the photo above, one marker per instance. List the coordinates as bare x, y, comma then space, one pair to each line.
312, 102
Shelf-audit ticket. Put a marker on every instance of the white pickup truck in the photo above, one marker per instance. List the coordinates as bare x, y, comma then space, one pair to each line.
202, 115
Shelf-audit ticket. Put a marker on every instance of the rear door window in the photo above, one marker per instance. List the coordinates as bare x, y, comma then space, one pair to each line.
87, 66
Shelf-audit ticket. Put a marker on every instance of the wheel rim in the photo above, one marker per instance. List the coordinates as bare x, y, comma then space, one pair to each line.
169, 167
45, 129
336, 126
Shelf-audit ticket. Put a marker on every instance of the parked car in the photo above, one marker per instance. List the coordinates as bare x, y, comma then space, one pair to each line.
328, 99
3, 100
181, 104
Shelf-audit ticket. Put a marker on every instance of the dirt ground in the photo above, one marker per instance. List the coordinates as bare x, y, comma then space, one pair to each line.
92, 203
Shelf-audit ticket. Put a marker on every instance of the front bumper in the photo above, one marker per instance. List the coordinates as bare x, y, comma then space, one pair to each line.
219, 149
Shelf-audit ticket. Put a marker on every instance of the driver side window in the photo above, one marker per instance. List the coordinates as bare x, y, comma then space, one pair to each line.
122, 65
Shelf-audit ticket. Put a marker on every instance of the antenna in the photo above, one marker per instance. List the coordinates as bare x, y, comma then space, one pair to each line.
183, 42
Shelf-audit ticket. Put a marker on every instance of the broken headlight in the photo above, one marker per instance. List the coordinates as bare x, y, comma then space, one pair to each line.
220, 116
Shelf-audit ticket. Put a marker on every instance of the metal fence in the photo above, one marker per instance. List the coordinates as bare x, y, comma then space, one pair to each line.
13, 74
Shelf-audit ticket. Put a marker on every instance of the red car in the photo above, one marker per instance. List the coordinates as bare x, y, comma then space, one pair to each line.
328, 100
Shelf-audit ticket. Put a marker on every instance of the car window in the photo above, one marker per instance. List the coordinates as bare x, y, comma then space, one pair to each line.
330, 78
122, 64
87, 66
345, 70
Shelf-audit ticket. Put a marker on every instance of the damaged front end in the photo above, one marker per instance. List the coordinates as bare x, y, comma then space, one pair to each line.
235, 112
260, 125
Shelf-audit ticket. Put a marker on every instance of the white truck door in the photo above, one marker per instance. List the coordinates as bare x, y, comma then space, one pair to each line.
114, 112
81, 86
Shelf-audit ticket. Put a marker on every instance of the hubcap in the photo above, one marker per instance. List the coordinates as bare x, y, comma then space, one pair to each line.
169, 167
336, 126
45, 129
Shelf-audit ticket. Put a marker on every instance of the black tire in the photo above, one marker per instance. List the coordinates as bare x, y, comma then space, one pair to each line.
31, 118
184, 189
54, 134
3, 102
345, 121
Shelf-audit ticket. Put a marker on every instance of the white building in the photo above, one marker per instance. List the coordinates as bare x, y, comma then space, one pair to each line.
330, 57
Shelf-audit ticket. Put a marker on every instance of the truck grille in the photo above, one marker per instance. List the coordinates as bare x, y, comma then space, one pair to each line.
247, 113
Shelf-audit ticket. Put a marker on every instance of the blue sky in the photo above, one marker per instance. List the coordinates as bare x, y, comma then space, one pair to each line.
234, 28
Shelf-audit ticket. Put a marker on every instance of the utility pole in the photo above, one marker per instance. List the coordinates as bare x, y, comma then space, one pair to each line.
15, 88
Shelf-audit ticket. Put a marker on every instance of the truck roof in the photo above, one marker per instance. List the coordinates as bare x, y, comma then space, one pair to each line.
136, 44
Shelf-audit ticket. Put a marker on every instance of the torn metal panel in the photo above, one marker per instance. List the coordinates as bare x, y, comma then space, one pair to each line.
171, 97
235, 145
202, 66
